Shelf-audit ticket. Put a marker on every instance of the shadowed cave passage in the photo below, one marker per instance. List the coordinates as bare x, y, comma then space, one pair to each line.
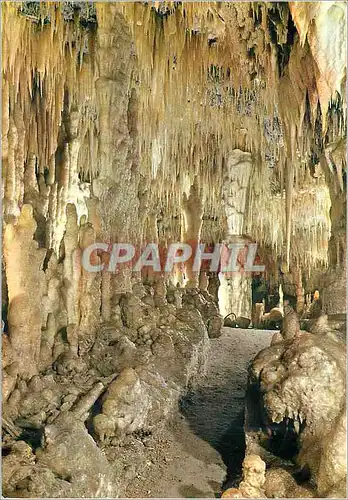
204, 443
221, 427
215, 407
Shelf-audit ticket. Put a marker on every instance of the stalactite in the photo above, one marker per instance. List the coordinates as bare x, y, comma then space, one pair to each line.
130, 127
53, 69
289, 190
37, 58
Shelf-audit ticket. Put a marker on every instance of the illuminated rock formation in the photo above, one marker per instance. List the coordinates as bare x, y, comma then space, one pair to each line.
235, 291
137, 123
300, 385
253, 480
23, 260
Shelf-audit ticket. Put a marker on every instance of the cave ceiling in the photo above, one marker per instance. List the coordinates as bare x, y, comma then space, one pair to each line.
190, 82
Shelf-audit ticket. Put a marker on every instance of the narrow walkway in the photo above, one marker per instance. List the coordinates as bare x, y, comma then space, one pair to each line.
206, 440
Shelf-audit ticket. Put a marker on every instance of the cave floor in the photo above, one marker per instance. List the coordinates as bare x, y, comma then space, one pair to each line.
204, 441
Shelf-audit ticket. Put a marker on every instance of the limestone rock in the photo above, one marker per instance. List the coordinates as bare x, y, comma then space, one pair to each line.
253, 480
23, 261
128, 403
112, 350
71, 463
17, 467
281, 484
303, 381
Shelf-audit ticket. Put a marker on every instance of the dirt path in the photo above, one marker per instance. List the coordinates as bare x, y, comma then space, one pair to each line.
205, 440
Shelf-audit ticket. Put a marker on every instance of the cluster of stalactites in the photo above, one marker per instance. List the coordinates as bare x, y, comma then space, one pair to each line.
209, 77
48, 114
213, 74
310, 231
194, 106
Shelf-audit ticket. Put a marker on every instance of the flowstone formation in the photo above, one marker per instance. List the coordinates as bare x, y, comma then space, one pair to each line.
155, 123
296, 413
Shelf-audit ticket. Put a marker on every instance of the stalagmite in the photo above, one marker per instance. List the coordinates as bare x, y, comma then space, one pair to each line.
192, 207
23, 261
72, 264
90, 290
235, 290
299, 291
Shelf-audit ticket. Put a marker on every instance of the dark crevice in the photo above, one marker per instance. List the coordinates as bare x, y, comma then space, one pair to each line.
83, 14
279, 16
63, 477
222, 428
5, 451
33, 436
96, 409
283, 441
280, 439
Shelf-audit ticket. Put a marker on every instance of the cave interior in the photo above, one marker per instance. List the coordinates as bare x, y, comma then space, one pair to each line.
147, 124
